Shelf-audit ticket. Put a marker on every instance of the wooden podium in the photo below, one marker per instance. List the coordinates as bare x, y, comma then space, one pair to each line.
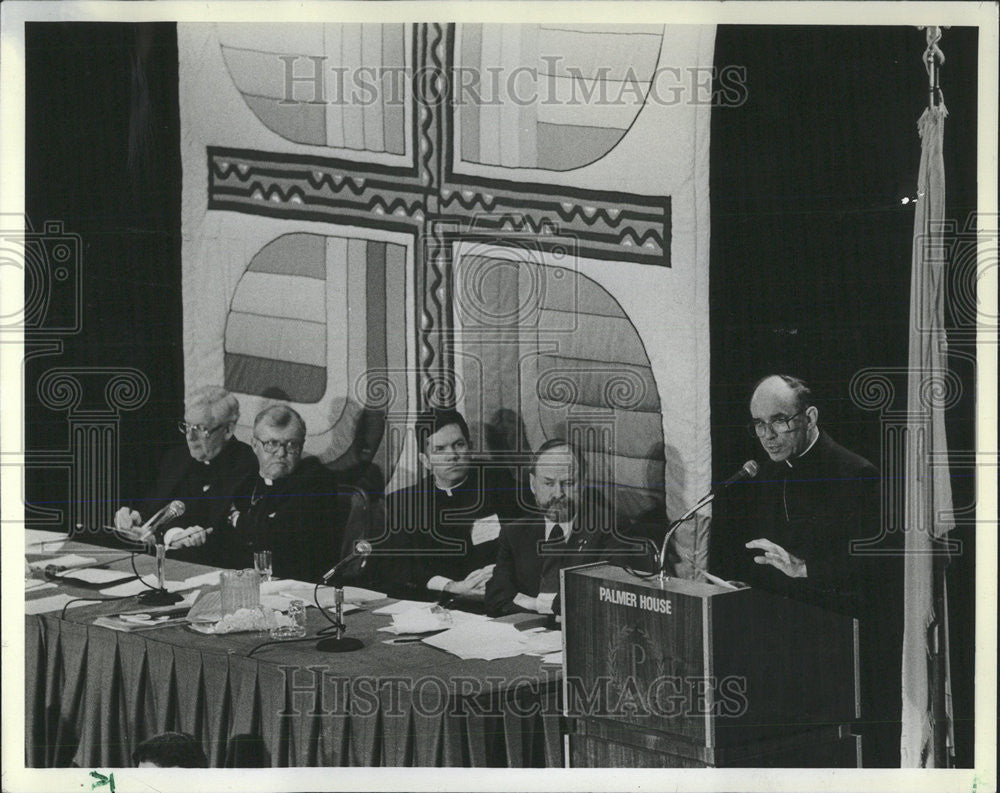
688, 675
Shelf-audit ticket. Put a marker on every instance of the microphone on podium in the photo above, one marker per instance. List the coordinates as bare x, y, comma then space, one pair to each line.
748, 471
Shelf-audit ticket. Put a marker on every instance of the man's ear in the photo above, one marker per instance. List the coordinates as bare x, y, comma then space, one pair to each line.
812, 412
424, 460
531, 483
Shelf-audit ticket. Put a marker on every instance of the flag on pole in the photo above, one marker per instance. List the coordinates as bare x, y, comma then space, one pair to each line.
928, 502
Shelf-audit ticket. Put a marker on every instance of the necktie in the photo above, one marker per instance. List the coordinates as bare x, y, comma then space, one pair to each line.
557, 535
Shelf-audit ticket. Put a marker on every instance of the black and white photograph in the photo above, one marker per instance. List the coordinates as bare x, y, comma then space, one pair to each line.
499, 396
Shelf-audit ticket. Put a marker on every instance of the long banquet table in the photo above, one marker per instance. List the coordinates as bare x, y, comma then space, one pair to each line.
92, 694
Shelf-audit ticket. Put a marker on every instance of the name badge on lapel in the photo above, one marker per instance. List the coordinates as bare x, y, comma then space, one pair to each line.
485, 530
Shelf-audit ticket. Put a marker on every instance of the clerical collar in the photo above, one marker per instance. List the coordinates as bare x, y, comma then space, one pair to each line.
789, 462
267, 481
450, 490
567, 526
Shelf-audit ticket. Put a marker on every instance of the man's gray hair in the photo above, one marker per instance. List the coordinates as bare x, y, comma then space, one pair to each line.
280, 416
223, 406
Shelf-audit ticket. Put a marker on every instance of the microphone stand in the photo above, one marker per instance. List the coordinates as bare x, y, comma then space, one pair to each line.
159, 596
338, 643
662, 577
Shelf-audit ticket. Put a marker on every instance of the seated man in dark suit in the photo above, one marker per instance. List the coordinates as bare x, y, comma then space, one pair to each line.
290, 506
441, 533
567, 530
203, 475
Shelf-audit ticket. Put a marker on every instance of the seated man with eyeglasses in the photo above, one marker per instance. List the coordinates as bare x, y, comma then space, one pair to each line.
290, 505
794, 532
203, 475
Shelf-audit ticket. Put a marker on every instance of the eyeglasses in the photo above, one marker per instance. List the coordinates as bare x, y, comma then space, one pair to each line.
758, 429
198, 430
271, 447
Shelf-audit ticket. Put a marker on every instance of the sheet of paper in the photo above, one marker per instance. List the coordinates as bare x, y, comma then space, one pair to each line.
204, 579
97, 575
302, 590
541, 642
486, 640
485, 529
357, 594
402, 605
36, 585
36, 540
51, 603
69, 560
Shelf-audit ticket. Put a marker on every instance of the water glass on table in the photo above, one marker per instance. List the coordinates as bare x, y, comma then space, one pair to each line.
262, 564
297, 612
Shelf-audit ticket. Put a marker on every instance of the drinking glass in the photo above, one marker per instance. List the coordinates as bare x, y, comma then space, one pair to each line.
297, 611
262, 564
240, 590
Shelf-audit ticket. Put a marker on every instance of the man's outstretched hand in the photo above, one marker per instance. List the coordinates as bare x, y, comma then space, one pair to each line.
776, 556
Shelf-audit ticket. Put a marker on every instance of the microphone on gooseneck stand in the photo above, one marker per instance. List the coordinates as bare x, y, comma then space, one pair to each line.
748, 471
338, 643
152, 529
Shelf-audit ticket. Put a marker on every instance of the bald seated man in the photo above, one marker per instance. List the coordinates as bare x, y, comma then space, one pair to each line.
203, 474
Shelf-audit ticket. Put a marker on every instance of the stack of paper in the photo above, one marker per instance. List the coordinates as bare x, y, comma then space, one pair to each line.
69, 560
488, 640
95, 575
485, 640
37, 541
52, 603
412, 617
541, 642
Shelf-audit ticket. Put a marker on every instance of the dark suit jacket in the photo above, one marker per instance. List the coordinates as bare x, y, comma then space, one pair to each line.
815, 509
429, 533
529, 564
300, 519
207, 491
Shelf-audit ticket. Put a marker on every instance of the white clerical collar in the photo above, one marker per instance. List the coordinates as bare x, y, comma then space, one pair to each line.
567, 527
267, 481
450, 490
789, 462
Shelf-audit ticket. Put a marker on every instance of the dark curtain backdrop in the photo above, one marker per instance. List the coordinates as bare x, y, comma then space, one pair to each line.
810, 244
102, 156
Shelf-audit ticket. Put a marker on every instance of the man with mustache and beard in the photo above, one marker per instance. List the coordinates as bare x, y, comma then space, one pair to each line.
567, 530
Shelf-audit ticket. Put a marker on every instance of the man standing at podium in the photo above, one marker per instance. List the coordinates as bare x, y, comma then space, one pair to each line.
812, 501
